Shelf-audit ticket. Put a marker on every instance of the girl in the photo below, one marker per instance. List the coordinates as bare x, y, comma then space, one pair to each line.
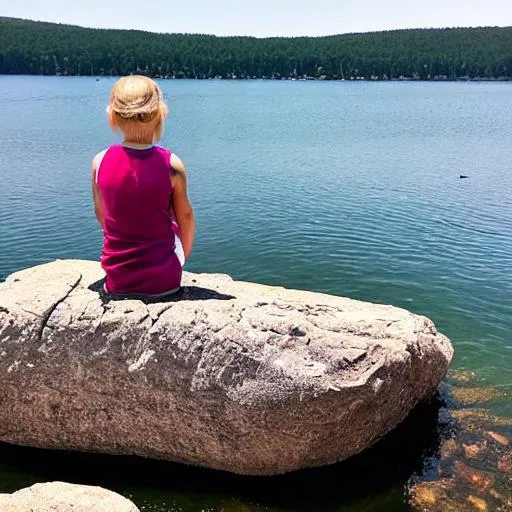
140, 196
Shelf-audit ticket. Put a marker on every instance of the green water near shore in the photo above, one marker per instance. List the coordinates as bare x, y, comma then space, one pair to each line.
344, 188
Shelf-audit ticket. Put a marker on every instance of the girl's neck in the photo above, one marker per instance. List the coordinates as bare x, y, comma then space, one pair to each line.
137, 145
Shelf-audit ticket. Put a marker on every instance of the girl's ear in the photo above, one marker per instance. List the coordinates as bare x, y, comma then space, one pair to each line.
158, 130
164, 110
160, 122
111, 118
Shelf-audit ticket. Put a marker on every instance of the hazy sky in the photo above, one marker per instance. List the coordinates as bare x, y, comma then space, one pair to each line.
264, 17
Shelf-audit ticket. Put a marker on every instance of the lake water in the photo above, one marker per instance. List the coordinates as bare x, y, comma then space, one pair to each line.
351, 188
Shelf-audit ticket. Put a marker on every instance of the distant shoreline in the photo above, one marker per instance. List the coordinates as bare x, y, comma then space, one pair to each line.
275, 79
452, 54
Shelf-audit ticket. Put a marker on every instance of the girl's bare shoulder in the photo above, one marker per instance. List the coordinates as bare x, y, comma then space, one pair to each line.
98, 157
96, 162
177, 165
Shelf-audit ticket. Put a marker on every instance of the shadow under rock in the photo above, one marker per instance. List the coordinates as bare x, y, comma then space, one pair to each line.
184, 293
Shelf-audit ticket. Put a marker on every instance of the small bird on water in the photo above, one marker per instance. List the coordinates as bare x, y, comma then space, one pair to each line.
461, 176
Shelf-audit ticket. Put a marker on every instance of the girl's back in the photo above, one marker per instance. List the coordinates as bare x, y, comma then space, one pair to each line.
138, 252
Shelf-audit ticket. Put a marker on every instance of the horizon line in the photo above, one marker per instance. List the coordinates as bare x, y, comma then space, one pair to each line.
255, 37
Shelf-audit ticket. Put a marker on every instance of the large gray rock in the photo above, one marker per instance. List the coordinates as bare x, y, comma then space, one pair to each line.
230, 375
63, 497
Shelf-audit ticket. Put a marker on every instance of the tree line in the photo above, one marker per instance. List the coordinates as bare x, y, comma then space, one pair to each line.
40, 48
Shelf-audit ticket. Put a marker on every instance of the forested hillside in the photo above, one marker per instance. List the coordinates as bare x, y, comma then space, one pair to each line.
28, 47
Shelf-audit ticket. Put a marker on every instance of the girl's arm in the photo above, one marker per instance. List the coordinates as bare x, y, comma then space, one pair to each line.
98, 209
181, 204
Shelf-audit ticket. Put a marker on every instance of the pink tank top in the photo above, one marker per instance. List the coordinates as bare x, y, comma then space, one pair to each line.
138, 249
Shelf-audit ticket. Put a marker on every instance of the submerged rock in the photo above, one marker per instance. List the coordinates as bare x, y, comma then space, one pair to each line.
461, 376
473, 469
477, 503
230, 375
64, 497
479, 419
501, 439
471, 396
435, 496
475, 449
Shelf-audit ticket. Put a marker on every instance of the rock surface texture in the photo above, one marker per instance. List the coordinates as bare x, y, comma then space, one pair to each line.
229, 375
63, 497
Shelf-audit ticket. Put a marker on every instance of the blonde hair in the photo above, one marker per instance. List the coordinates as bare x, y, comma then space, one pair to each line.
137, 109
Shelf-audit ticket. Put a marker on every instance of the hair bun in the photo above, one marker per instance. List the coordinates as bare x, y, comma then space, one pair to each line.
136, 98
